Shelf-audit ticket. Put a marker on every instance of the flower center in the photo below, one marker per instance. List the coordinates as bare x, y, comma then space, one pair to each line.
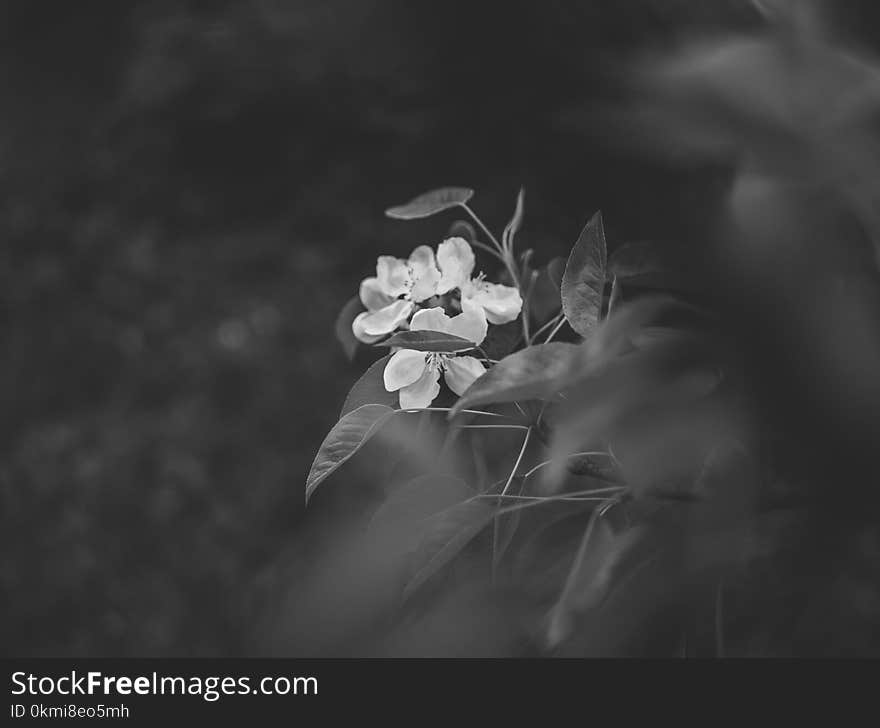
436, 360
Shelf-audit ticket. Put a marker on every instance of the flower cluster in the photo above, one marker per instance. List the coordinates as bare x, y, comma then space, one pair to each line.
421, 287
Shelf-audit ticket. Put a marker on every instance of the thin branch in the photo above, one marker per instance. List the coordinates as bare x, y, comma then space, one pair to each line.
493, 427
449, 409
546, 326
484, 228
555, 330
573, 455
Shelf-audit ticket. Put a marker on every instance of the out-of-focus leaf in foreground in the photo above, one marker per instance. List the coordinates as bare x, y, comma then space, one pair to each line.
533, 373
445, 535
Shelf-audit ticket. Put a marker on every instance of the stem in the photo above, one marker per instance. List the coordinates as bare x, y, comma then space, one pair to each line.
449, 409
525, 307
484, 228
555, 330
546, 326
560, 499
573, 455
491, 251
494, 427
522, 452
505, 256
578, 562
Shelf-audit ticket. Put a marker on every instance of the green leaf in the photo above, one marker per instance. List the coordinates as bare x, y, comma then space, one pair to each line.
584, 280
532, 373
594, 570
344, 440
431, 203
428, 341
445, 535
370, 389
344, 320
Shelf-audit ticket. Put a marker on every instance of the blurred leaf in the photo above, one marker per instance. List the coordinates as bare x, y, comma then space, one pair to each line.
546, 298
596, 466
370, 389
344, 440
583, 283
431, 203
614, 386
343, 330
506, 524
428, 341
446, 534
645, 264
533, 373
408, 505
596, 568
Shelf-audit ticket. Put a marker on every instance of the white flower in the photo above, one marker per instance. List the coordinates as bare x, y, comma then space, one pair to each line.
415, 280
417, 373
456, 260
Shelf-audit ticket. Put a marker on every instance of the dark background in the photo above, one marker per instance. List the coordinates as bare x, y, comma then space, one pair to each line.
189, 192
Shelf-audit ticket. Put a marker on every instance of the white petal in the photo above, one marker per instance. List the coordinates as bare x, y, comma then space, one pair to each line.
424, 272
430, 319
461, 372
372, 295
404, 368
470, 324
357, 328
501, 303
393, 275
386, 320
456, 260
422, 392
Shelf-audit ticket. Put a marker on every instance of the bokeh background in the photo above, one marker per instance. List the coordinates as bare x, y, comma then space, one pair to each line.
189, 192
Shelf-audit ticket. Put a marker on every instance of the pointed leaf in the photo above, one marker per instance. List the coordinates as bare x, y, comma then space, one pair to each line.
533, 373
445, 535
431, 203
344, 320
344, 440
584, 280
428, 341
370, 389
